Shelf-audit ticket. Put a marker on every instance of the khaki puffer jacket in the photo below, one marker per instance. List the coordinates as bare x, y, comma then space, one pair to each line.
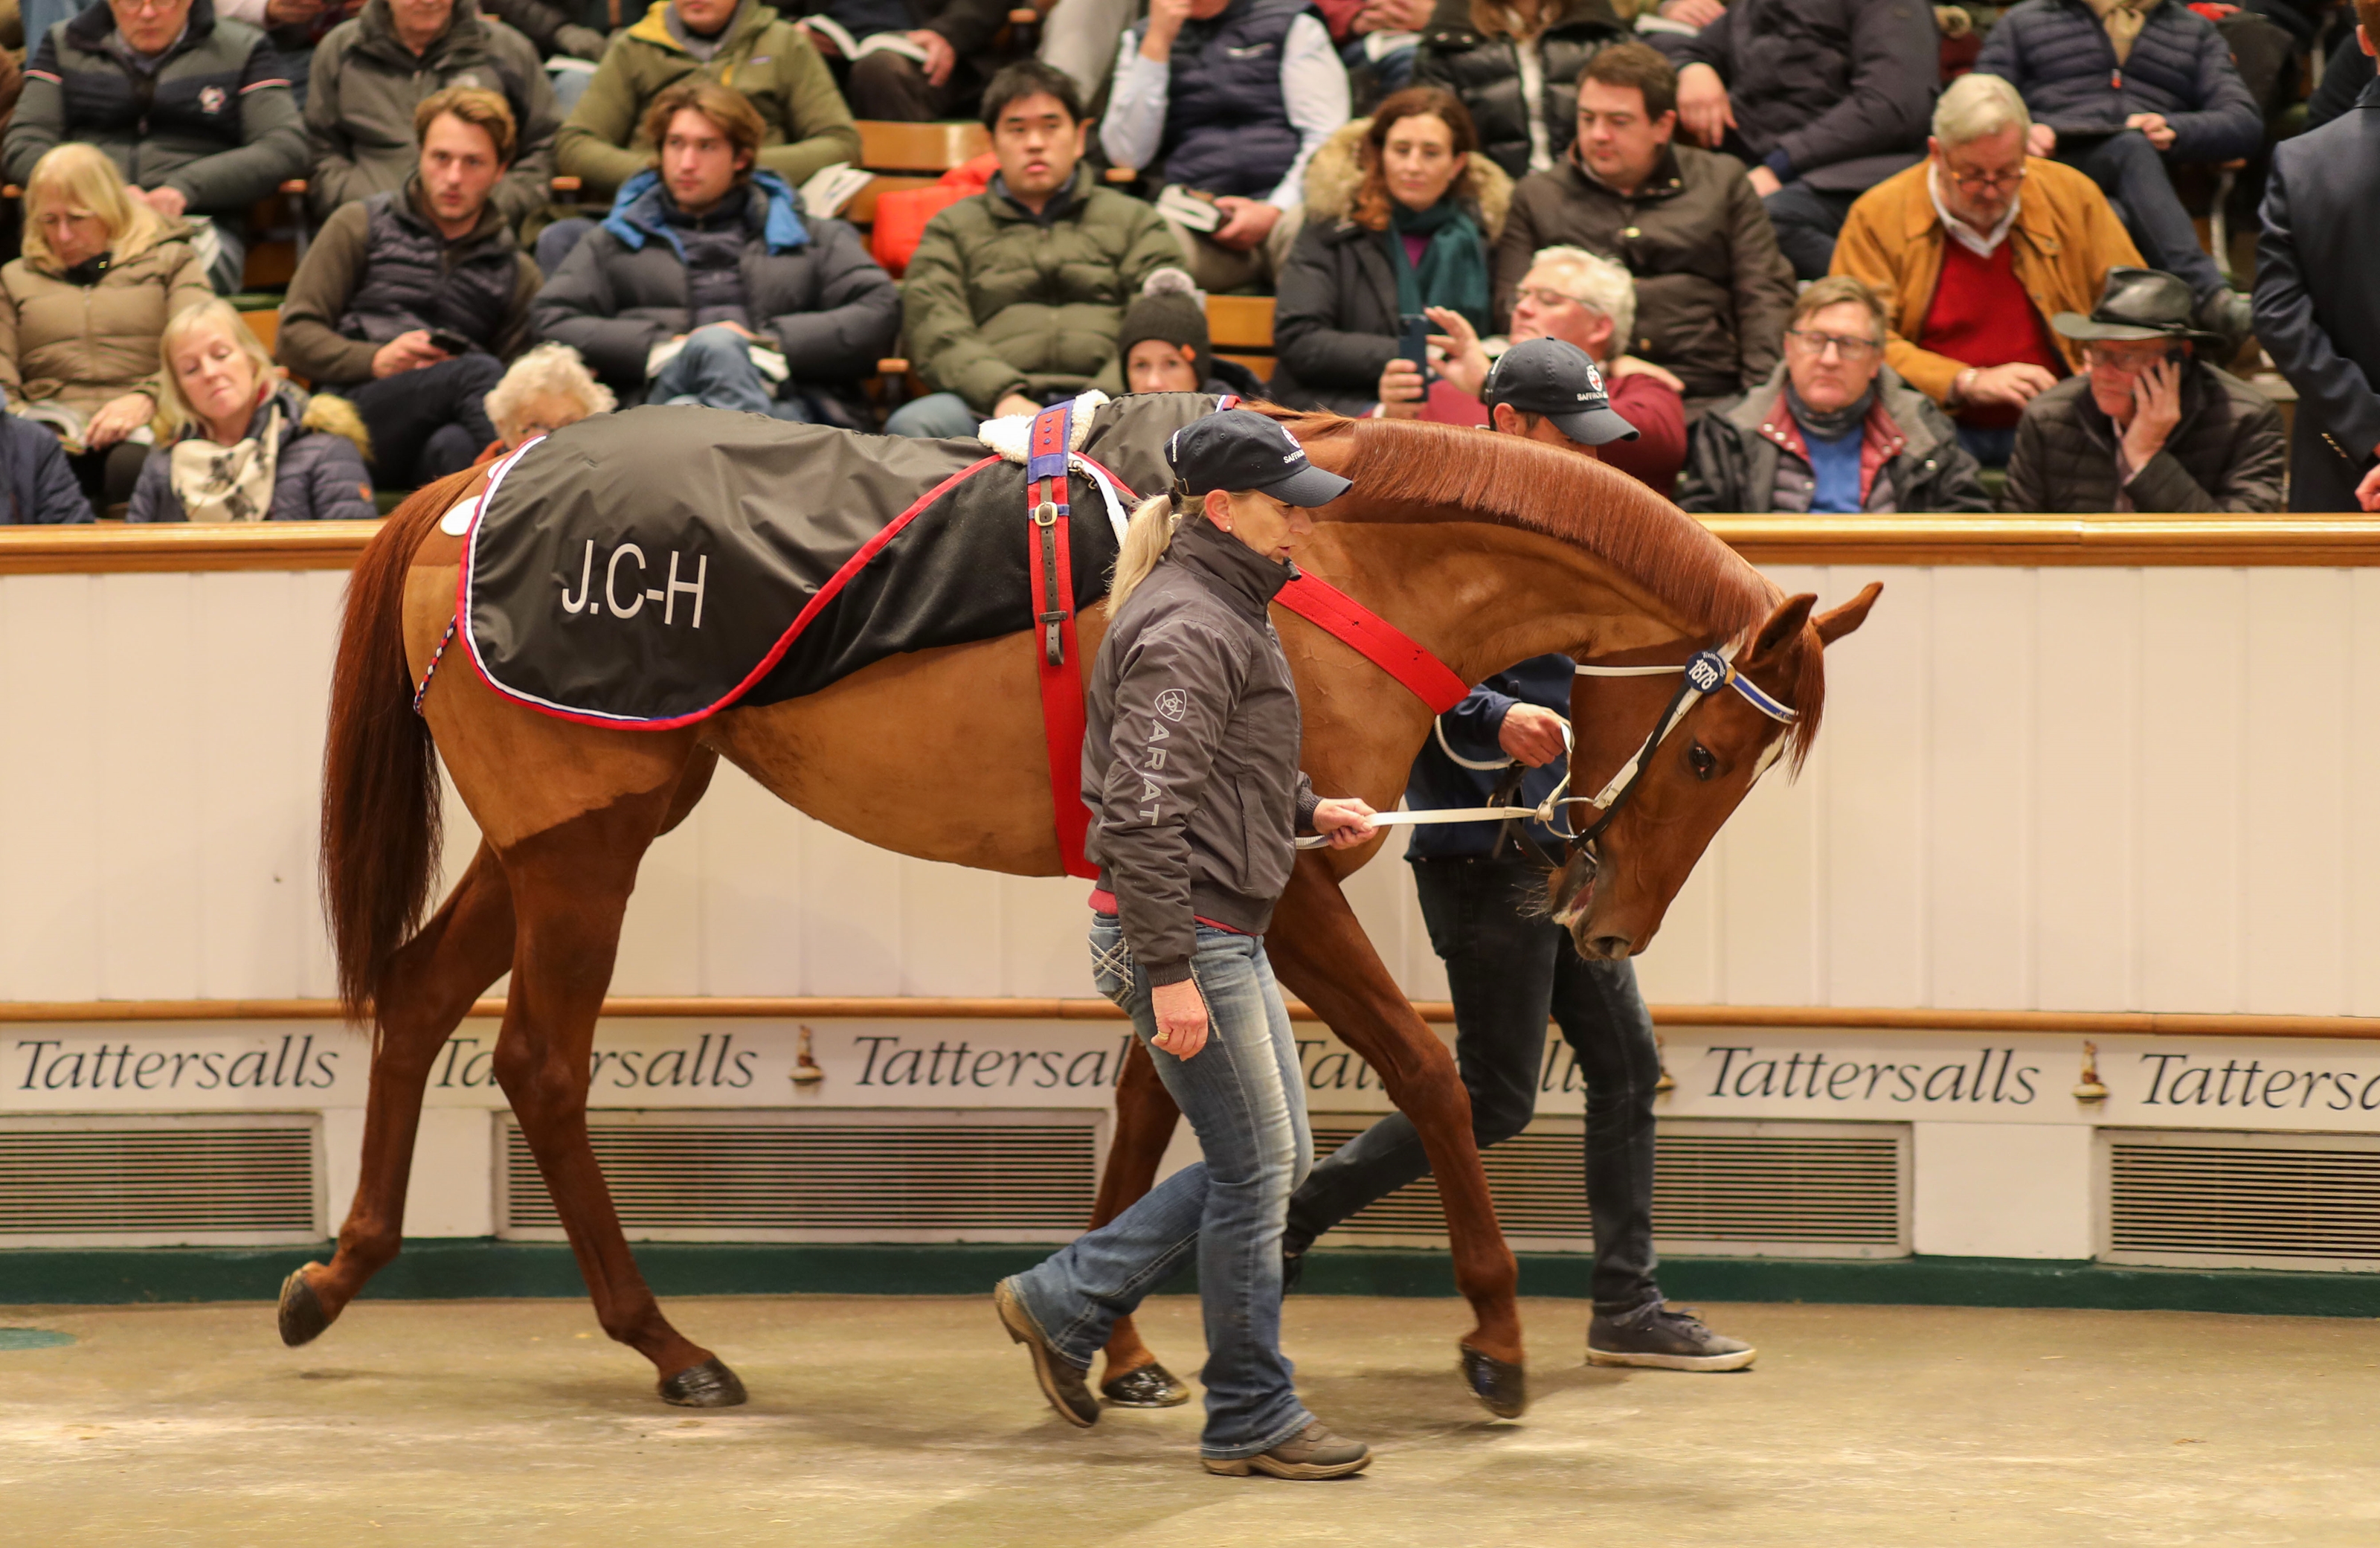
84, 346
996, 301
764, 56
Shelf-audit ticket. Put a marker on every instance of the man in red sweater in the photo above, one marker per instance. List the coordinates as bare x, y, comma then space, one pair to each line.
1579, 298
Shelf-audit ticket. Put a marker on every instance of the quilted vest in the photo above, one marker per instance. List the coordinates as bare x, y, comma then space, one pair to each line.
414, 279
1227, 128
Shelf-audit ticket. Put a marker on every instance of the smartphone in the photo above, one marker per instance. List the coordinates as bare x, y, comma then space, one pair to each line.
1415, 346
450, 341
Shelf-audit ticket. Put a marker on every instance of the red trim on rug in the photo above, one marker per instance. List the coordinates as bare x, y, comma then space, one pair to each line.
825, 594
1377, 639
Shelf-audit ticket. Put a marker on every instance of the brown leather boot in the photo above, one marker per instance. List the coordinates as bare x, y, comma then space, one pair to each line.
1313, 1452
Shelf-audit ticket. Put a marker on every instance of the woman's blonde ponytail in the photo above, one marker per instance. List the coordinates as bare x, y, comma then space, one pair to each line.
1146, 538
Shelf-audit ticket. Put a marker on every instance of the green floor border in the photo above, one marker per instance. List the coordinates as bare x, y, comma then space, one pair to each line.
441, 1269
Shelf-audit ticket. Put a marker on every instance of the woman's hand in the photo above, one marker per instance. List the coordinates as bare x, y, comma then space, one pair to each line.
119, 419
1346, 820
1402, 393
1181, 1013
1462, 360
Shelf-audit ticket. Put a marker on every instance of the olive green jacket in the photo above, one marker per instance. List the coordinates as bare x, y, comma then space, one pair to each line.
768, 59
997, 301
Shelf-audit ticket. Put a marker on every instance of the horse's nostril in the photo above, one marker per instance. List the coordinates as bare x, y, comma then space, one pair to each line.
1610, 948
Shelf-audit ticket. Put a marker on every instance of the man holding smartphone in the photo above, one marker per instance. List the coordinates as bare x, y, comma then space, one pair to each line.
408, 303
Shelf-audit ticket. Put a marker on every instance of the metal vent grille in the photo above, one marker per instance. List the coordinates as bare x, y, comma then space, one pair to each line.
1723, 1190
2265, 1201
232, 1179
805, 1176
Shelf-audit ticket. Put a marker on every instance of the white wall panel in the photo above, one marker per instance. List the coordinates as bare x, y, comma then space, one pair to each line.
2063, 788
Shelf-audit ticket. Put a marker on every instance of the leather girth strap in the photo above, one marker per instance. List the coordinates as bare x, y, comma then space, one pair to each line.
1050, 564
1377, 639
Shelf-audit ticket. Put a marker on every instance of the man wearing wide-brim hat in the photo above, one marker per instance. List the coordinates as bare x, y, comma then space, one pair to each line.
2146, 425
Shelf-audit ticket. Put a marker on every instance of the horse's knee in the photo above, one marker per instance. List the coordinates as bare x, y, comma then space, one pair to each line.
534, 1076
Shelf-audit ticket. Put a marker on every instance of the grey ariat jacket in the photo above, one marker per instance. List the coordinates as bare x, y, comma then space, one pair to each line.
1190, 758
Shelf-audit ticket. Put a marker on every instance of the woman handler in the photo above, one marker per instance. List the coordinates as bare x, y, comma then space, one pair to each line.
1190, 770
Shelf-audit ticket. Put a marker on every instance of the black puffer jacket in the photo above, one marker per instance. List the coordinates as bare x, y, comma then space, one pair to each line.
1486, 73
2057, 53
1740, 461
1190, 753
1335, 321
1844, 88
808, 287
2226, 454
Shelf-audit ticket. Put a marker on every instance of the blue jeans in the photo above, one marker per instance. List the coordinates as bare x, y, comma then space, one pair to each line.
1990, 445
2131, 173
715, 371
1245, 1095
556, 242
935, 416
1507, 970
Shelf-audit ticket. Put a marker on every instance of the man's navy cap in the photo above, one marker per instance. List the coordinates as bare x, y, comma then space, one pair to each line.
1241, 449
1555, 378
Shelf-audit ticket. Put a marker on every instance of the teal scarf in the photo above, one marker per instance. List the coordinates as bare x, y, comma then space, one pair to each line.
1453, 271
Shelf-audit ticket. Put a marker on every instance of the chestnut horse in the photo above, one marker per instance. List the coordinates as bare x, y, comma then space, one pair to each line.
1487, 550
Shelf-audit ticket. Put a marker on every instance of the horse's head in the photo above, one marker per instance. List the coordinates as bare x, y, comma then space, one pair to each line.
1613, 899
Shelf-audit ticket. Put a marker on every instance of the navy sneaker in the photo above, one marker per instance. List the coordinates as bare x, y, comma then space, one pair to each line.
1663, 1337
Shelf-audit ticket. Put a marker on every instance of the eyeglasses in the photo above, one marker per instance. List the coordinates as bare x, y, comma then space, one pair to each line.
1543, 297
1851, 350
1987, 182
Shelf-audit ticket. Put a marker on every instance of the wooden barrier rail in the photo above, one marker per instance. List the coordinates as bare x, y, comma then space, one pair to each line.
1946, 1023
2020, 542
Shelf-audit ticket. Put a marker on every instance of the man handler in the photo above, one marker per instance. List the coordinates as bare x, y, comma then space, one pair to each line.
1509, 967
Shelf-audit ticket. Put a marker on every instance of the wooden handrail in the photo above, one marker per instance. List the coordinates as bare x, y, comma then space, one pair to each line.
1948, 1023
2020, 542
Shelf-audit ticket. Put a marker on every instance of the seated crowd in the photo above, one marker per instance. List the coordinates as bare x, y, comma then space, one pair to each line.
1811, 262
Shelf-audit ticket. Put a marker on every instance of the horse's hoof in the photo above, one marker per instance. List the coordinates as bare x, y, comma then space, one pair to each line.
302, 1316
1150, 1387
1501, 1386
708, 1385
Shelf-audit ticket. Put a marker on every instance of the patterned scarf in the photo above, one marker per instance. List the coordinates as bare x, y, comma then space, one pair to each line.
2123, 19
227, 483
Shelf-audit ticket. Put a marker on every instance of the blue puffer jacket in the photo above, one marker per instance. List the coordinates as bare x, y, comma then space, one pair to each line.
2057, 53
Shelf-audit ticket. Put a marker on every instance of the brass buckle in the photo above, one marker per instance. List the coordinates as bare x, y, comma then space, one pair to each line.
1046, 514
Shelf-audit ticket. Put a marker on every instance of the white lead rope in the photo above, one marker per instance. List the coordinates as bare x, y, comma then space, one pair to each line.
1707, 671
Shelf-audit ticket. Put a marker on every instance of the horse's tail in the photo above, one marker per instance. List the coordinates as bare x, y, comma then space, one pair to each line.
381, 816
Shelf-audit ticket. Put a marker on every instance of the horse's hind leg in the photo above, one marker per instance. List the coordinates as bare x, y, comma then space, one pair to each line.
570, 889
1146, 1116
428, 989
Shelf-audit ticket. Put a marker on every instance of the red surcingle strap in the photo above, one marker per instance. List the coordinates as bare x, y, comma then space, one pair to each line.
1377, 639
1050, 565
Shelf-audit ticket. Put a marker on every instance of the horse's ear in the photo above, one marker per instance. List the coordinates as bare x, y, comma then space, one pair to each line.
1850, 616
1783, 627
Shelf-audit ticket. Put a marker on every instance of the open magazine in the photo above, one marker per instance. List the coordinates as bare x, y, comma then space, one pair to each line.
65, 423
856, 49
1189, 208
832, 187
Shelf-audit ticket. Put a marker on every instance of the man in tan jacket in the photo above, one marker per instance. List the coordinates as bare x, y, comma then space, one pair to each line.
1974, 248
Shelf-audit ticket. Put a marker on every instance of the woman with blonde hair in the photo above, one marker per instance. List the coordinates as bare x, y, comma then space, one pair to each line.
80, 313
547, 388
243, 444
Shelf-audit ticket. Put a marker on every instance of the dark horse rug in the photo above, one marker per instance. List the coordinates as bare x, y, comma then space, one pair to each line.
654, 567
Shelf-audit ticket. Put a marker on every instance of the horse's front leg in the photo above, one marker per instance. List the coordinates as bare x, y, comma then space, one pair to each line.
1319, 949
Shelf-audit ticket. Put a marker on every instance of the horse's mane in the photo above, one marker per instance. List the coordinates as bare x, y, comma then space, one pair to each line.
1506, 480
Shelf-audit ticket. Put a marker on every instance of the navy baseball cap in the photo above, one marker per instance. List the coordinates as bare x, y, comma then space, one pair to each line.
1554, 377
1241, 449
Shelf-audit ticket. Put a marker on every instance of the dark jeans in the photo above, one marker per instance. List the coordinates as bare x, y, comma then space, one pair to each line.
1990, 445
429, 421
554, 243
1508, 970
886, 86
1807, 221
108, 474
2131, 173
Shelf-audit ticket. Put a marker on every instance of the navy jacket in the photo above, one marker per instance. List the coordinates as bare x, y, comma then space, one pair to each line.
34, 478
2057, 53
1440, 783
2317, 311
1836, 93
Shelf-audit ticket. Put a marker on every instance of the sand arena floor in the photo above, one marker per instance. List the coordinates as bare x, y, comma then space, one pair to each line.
914, 1422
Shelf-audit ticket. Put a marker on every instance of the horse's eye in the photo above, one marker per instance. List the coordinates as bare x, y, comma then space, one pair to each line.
1701, 759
